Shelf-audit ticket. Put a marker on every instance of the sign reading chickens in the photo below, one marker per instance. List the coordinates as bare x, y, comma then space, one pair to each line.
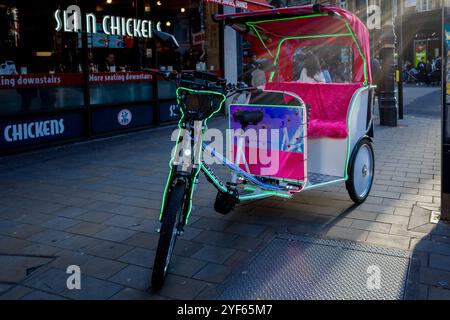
70, 21
34, 130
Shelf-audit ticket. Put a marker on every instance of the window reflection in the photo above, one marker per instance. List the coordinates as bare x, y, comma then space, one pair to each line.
41, 69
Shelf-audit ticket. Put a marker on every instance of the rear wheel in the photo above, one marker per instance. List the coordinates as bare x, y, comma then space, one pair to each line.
168, 234
361, 172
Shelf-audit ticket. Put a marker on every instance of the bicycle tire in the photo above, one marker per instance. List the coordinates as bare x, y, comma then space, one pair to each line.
168, 234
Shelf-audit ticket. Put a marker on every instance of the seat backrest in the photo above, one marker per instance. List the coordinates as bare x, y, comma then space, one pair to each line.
327, 101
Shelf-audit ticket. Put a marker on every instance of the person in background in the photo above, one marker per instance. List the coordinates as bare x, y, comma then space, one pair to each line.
376, 76
422, 68
436, 73
277, 4
91, 63
258, 76
27, 95
8, 68
429, 64
311, 71
299, 59
429, 70
325, 71
406, 68
109, 64
48, 94
438, 64
248, 69
201, 60
376, 72
338, 72
189, 59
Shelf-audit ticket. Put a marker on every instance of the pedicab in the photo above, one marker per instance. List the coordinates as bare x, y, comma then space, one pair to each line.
315, 133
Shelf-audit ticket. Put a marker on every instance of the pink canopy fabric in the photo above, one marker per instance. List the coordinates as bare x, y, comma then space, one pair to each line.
252, 5
280, 25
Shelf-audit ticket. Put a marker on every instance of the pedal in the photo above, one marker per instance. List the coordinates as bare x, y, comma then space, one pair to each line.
225, 202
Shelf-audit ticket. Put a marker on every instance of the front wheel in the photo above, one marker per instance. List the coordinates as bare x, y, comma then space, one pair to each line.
361, 172
168, 234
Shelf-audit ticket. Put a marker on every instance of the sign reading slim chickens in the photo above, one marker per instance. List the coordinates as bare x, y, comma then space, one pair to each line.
70, 21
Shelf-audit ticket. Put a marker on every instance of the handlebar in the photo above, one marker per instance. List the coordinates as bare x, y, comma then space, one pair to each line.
202, 80
237, 88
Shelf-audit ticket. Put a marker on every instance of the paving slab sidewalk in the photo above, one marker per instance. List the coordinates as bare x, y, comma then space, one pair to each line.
96, 205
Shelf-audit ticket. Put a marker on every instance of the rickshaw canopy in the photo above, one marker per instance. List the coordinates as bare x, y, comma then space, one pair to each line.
277, 33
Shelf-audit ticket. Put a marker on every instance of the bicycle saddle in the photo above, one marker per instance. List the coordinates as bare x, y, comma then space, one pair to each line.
245, 118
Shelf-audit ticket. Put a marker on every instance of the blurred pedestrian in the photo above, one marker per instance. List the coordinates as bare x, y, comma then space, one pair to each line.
248, 69
376, 77
109, 65
277, 4
312, 71
325, 71
422, 68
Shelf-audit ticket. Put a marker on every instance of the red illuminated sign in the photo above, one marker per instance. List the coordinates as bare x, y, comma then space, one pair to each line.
69, 79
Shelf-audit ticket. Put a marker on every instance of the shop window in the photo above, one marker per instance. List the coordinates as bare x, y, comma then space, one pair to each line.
199, 39
425, 5
46, 64
40, 69
198, 35
117, 62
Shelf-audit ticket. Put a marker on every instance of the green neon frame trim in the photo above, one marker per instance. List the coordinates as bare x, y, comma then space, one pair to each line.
260, 38
319, 185
366, 78
252, 26
263, 194
183, 116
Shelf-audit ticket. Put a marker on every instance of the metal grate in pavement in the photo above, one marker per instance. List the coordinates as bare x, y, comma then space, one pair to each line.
292, 268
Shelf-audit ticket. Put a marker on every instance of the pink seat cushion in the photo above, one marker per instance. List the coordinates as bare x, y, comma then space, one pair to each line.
318, 128
328, 102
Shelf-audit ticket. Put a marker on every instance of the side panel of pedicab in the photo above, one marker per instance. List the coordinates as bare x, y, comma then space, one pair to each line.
276, 147
329, 156
300, 153
338, 120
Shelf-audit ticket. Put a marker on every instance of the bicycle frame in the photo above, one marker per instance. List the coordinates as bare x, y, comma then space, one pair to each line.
261, 191
187, 162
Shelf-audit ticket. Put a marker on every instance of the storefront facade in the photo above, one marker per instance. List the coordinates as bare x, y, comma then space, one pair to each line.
75, 69
422, 34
